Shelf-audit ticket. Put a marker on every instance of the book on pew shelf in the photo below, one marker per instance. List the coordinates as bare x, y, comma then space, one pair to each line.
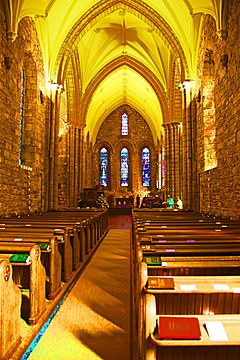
20, 258
44, 246
141, 229
179, 328
148, 248
161, 282
216, 331
147, 238
153, 260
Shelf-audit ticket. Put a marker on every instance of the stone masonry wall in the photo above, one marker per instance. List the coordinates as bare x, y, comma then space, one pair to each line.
23, 188
220, 187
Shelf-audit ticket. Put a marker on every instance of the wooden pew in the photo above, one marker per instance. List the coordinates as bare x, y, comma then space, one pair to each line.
183, 239
29, 275
10, 308
201, 295
44, 235
192, 249
78, 241
199, 266
50, 258
206, 348
187, 231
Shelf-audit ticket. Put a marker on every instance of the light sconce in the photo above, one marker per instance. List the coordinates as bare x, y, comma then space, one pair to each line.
41, 97
199, 96
7, 62
224, 60
63, 129
185, 85
53, 86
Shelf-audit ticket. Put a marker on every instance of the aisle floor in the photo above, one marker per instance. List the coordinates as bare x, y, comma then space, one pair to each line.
94, 320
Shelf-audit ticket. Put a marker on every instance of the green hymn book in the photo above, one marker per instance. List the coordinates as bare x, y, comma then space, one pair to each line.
20, 258
153, 260
44, 246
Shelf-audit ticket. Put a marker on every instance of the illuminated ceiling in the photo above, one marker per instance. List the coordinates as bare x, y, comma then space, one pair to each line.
124, 49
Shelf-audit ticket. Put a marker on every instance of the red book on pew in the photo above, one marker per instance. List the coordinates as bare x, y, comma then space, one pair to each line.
179, 328
161, 282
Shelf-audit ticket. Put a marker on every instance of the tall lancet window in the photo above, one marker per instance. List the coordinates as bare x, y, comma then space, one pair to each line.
104, 165
145, 167
21, 118
124, 124
124, 167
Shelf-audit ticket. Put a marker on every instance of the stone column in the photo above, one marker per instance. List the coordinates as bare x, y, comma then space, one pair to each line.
55, 94
166, 160
173, 159
187, 149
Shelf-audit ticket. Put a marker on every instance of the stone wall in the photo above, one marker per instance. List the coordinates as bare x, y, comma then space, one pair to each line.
139, 136
23, 188
220, 186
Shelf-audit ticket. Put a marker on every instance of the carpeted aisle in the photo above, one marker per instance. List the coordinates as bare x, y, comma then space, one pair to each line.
94, 320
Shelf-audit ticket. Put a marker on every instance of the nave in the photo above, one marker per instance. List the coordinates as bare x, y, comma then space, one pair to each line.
94, 321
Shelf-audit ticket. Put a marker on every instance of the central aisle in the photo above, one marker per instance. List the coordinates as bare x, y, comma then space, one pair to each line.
94, 321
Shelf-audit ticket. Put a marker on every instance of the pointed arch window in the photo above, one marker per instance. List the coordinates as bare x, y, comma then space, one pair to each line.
124, 124
146, 167
104, 167
124, 167
21, 118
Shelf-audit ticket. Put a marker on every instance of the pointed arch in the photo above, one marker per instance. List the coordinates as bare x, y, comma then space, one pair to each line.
146, 166
124, 167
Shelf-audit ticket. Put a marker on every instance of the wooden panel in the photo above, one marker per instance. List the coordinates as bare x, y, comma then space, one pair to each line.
10, 305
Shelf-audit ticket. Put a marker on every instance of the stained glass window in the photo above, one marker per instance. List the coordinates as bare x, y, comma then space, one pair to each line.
124, 161
21, 118
104, 167
145, 167
124, 124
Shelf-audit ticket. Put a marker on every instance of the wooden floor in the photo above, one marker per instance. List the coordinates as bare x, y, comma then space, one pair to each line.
94, 321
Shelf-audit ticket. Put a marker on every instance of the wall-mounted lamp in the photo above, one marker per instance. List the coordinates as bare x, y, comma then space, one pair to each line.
41, 97
7, 62
224, 60
199, 96
53, 86
64, 128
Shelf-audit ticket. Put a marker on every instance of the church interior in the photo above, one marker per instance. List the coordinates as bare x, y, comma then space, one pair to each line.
109, 108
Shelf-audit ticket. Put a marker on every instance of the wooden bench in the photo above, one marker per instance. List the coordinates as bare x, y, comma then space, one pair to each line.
192, 249
77, 234
44, 235
201, 295
197, 266
50, 258
10, 308
206, 348
29, 275
199, 239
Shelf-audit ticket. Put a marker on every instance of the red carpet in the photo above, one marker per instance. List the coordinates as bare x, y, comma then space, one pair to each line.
123, 222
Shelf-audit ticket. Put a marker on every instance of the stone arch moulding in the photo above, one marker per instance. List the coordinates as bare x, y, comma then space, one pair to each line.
136, 66
101, 144
142, 144
98, 11
124, 143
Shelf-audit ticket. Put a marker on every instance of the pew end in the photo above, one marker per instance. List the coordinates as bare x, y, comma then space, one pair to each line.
10, 308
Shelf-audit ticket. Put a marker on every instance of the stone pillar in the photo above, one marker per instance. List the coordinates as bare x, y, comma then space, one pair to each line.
55, 93
173, 159
187, 129
167, 160
177, 160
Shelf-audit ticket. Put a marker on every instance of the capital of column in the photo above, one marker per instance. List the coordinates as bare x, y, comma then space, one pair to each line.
11, 11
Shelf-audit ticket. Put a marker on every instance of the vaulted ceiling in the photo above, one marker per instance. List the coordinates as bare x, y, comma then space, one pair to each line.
120, 51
